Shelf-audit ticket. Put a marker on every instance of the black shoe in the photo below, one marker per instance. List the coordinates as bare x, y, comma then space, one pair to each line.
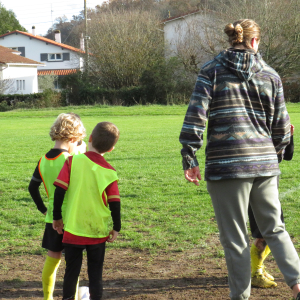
298, 296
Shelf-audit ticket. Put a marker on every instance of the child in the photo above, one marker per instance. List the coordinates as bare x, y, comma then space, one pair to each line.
91, 184
66, 131
259, 248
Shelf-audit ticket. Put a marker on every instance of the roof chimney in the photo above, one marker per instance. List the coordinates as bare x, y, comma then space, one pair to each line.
81, 42
33, 30
57, 36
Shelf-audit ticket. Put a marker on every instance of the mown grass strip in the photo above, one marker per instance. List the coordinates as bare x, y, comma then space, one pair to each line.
160, 209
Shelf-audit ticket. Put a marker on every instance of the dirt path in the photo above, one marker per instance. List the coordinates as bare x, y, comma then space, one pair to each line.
128, 274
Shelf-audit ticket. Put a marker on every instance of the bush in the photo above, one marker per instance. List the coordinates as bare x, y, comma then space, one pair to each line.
164, 82
95, 95
48, 98
4, 106
291, 91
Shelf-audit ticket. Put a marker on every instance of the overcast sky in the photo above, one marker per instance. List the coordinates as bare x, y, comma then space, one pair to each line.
38, 12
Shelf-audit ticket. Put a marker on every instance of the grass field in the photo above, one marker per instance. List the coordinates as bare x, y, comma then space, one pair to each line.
160, 209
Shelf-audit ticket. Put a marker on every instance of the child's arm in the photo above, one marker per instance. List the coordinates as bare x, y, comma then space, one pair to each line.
289, 150
112, 236
61, 184
58, 225
113, 197
59, 195
115, 209
34, 191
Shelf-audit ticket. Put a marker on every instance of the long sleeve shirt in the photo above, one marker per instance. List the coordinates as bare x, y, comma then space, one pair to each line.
240, 98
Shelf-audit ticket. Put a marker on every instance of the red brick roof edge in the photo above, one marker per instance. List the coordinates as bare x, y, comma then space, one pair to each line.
62, 72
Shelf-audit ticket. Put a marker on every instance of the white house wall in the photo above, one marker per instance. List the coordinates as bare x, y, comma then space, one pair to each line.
177, 31
34, 48
178, 28
26, 73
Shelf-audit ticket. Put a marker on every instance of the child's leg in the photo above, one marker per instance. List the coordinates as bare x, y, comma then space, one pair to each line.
53, 242
49, 273
259, 277
259, 252
73, 256
95, 259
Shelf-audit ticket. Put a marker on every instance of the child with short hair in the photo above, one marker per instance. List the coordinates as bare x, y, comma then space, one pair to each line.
66, 131
90, 186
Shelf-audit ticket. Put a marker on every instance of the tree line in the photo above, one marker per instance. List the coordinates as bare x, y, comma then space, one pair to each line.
130, 59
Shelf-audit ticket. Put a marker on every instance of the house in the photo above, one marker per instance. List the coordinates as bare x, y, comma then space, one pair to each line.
18, 74
192, 36
59, 59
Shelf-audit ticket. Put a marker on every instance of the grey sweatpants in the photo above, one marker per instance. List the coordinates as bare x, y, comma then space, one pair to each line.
231, 198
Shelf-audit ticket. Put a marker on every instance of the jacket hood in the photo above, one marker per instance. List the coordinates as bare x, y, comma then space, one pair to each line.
243, 63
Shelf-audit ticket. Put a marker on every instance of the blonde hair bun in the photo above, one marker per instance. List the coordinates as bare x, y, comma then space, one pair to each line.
242, 32
239, 33
229, 29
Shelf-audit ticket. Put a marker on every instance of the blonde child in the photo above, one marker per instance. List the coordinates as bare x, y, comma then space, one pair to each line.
66, 132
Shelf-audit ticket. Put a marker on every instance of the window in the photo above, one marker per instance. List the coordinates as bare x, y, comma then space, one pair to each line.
57, 84
54, 56
20, 49
20, 85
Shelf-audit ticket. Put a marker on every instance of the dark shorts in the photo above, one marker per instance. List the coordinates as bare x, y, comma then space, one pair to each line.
52, 240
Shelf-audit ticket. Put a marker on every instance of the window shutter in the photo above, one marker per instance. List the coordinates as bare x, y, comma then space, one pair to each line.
66, 56
44, 56
22, 50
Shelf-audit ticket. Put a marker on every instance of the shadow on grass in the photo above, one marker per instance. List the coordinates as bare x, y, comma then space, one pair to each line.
115, 289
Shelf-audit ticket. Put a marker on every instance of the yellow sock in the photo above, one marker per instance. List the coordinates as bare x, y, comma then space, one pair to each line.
257, 258
49, 275
266, 252
76, 294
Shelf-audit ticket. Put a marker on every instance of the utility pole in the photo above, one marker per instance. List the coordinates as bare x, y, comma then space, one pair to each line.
86, 37
51, 17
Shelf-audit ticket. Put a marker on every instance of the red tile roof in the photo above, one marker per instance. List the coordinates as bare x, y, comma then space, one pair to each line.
8, 56
57, 72
40, 38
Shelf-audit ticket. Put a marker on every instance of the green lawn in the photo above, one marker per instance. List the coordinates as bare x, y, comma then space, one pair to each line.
160, 209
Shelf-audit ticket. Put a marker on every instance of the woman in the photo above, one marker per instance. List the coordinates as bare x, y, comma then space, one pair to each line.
248, 129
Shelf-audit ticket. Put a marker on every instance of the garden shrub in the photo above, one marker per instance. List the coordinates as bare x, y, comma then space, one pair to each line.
48, 98
291, 91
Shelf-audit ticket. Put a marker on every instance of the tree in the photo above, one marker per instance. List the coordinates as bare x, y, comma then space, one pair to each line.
70, 30
47, 82
122, 5
9, 21
280, 29
7, 86
123, 45
280, 32
198, 39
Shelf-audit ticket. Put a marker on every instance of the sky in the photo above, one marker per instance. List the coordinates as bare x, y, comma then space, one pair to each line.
42, 13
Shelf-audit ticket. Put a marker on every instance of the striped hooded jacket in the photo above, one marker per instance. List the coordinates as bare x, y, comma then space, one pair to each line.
248, 126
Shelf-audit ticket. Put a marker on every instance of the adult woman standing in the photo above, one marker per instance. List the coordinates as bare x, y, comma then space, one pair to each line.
241, 97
